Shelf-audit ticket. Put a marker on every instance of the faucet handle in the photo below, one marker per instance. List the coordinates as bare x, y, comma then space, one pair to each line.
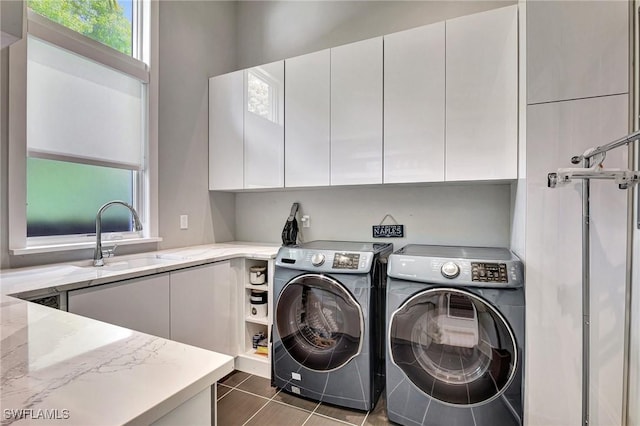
110, 252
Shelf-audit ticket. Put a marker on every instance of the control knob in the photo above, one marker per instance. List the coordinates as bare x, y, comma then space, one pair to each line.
450, 270
317, 259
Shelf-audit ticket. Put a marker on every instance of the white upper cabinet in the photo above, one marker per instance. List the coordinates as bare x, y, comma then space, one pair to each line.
226, 131
307, 120
414, 105
356, 113
443, 98
264, 126
482, 96
576, 49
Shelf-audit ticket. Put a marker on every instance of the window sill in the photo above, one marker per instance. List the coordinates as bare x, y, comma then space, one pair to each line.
51, 248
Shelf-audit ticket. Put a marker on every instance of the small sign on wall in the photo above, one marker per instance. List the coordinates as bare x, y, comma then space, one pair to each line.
388, 231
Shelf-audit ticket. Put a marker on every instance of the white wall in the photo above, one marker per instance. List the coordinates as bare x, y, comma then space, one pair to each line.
476, 214
273, 30
197, 40
577, 65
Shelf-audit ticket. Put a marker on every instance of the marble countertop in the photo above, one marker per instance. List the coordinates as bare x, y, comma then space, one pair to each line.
88, 372
49, 279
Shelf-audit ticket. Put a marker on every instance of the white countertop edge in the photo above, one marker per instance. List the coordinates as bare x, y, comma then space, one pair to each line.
51, 248
182, 396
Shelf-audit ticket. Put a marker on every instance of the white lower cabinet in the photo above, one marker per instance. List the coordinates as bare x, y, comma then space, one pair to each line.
204, 307
208, 306
141, 304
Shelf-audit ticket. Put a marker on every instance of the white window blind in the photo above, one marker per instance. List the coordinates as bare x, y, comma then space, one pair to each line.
82, 111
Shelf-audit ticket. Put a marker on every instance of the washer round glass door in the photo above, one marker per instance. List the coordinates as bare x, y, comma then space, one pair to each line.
319, 322
454, 346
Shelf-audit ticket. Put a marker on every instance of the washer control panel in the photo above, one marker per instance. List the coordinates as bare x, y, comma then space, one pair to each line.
325, 261
489, 272
346, 261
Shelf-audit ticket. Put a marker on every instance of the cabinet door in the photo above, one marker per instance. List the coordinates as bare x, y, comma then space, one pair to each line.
576, 49
226, 131
264, 126
203, 308
482, 96
307, 120
414, 90
141, 304
356, 113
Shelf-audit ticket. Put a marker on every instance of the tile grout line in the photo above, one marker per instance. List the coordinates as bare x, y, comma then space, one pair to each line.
272, 399
226, 393
311, 413
268, 400
344, 422
232, 388
259, 409
366, 416
255, 414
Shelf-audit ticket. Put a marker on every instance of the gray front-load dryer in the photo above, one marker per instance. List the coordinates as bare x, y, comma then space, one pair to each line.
329, 321
455, 342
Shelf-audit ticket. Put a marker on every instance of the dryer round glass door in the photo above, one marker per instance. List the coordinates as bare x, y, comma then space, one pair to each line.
454, 346
319, 322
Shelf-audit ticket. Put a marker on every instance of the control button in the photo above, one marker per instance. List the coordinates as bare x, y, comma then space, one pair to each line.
317, 259
450, 270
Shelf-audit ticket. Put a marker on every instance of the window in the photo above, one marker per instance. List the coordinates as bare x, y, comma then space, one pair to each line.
86, 121
262, 95
107, 21
79, 112
77, 191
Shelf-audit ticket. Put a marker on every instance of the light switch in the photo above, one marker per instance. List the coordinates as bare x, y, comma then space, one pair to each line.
184, 221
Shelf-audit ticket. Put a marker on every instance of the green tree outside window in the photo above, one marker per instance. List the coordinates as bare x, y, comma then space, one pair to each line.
101, 20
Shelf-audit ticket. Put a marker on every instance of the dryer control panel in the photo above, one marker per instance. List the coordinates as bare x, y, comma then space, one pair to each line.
458, 271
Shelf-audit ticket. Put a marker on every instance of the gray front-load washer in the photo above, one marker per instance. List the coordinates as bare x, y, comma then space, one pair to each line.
455, 342
329, 321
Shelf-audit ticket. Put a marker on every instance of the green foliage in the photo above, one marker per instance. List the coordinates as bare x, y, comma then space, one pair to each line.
101, 20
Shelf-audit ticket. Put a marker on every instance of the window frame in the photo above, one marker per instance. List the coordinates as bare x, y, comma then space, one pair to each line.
145, 191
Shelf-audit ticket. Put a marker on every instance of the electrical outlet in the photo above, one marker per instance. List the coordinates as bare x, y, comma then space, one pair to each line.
306, 221
184, 221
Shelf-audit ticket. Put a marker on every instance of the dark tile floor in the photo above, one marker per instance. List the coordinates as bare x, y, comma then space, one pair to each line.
244, 399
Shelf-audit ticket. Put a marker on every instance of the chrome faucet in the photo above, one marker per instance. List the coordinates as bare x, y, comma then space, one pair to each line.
137, 226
